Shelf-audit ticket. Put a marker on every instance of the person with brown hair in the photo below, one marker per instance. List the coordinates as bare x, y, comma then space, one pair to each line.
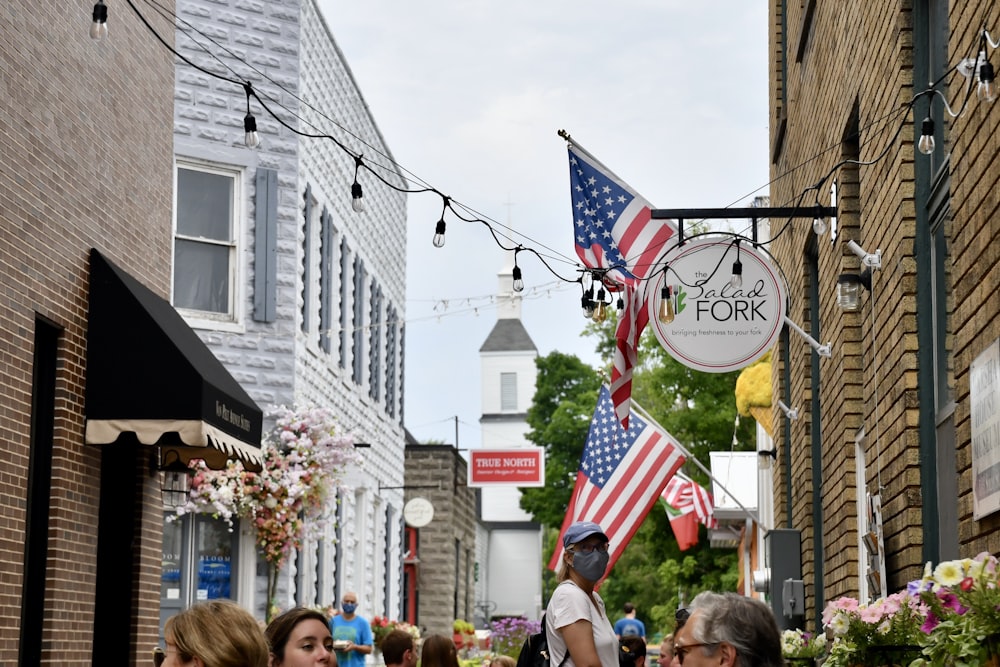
217, 633
300, 637
438, 651
398, 649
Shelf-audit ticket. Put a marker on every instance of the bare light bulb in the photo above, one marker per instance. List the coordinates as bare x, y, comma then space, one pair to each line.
600, 308
99, 28
926, 143
438, 239
518, 281
666, 314
736, 281
986, 91
819, 226
357, 203
251, 138
587, 303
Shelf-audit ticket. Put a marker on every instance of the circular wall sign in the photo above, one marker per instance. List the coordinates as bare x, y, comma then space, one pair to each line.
418, 512
716, 327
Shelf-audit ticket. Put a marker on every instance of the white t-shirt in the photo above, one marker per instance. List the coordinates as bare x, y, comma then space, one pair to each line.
569, 604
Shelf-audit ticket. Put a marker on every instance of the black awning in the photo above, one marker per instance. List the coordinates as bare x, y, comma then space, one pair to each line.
149, 374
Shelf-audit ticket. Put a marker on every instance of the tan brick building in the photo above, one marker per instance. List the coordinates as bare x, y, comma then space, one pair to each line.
885, 420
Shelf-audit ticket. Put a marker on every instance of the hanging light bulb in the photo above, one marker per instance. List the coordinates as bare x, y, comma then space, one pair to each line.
518, 281
438, 240
926, 143
250, 138
666, 314
819, 226
587, 303
620, 307
736, 282
357, 203
99, 28
587, 280
600, 308
986, 91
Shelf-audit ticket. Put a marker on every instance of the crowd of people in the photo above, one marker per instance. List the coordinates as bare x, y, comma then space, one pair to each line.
717, 629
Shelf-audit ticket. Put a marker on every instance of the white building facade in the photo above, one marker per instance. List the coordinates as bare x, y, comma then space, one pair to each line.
510, 543
300, 296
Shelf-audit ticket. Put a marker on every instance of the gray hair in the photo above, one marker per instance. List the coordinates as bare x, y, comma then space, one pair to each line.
746, 624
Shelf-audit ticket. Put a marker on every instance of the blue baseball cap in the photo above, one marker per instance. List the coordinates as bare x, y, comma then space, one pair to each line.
580, 531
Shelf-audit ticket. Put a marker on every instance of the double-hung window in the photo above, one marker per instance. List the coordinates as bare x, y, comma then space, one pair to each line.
205, 241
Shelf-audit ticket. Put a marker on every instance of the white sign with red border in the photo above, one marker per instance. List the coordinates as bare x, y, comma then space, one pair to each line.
522, 466
716, 327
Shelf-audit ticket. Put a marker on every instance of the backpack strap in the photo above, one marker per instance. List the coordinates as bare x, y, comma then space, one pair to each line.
545, 629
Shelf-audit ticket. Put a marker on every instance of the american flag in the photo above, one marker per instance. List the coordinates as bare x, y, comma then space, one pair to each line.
691, 501
621, 475
613, 230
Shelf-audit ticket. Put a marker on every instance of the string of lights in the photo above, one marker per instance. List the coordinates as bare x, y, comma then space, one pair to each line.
977, 70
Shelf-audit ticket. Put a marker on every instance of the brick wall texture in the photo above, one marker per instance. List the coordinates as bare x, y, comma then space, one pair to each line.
841, 77
446, 547
85, 161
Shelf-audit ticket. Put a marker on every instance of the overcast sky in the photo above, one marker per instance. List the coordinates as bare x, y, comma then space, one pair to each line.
469, 94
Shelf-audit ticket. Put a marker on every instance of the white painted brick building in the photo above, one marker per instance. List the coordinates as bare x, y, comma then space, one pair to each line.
302, 298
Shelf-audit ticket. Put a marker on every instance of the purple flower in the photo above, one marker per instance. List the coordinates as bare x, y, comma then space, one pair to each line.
929, 623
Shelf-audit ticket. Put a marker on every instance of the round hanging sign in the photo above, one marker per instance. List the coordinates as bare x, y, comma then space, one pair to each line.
710, 324
418, 512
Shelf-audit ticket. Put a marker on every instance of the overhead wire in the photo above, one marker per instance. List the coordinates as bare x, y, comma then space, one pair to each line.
266, 102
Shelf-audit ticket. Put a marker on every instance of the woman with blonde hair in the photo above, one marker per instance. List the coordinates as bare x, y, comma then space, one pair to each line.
218, 633
576, 622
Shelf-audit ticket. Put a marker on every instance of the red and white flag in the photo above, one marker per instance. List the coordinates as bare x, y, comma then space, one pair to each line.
621, 476
613, 230
688, 504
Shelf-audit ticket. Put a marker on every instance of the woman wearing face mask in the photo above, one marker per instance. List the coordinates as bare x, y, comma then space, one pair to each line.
576, 623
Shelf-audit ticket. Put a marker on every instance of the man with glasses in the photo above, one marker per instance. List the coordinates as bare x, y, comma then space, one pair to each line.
727, 630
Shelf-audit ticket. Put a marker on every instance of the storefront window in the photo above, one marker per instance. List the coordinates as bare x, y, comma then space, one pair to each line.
198, 562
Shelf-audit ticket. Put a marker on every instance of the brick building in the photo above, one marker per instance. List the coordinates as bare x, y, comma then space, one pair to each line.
441, 560
86, 144
882, 447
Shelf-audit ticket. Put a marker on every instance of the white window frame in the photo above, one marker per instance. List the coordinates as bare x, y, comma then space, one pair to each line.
233, 320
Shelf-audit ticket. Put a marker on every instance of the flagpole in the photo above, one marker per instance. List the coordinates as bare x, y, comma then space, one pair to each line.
687, 455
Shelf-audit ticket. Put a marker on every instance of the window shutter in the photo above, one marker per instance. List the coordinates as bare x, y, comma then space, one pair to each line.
265, 274
307, 259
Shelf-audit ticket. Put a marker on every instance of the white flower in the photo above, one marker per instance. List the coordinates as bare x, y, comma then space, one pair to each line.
949, 573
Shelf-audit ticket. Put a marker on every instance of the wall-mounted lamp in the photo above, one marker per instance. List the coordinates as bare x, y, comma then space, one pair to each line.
849, 289
175, 480
766, 457
790, 413
821, 350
